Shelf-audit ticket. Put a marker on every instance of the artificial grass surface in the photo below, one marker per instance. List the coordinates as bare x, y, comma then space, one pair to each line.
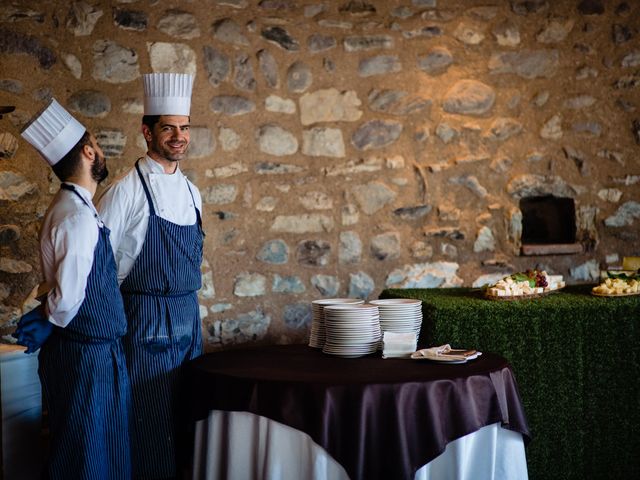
576, 358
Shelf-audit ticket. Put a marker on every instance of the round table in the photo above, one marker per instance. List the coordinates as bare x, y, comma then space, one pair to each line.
378, 418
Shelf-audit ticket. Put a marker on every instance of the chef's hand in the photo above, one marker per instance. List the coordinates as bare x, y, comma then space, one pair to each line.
26, 319
35, 314
34, 334
33, 330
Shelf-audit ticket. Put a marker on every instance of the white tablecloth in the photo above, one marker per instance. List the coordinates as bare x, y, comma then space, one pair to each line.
244, 446
22, 448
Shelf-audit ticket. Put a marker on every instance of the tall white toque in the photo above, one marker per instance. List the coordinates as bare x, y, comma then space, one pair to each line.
53, 132
167, 93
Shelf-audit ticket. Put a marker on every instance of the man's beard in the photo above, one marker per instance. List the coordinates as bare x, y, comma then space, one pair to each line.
99, 169
166, 153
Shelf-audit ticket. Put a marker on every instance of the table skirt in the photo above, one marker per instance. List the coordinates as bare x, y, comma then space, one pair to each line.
21, 406
245, 446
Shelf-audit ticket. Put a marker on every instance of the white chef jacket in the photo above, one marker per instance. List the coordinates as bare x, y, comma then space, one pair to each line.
68, 239
124, 209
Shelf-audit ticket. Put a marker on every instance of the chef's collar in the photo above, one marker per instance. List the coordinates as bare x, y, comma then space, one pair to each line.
155, 167
87, 197
84, 193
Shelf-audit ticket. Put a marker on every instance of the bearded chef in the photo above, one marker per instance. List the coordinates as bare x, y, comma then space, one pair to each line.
154, 216
80, 323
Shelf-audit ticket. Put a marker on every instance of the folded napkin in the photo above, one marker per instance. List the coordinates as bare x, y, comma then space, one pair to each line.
444, 352
398, 345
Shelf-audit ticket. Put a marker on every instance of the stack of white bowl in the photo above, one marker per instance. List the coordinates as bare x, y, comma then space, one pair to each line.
318, 334
400, 315
351, 330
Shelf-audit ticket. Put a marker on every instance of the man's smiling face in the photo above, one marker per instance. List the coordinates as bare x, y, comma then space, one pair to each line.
169, 138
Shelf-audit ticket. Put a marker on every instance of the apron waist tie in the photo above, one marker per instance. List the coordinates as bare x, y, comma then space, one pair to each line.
154, 294
80, 338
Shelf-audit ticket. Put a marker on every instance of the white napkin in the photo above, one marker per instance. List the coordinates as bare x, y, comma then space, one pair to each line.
444, 352
398, 345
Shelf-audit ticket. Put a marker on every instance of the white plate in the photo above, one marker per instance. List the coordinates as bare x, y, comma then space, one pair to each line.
398, 328
360, 347
337, 301
400, 321
400, 311
396, 301
384, 313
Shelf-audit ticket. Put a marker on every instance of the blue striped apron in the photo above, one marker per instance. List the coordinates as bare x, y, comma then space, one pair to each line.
84, 377
161, 302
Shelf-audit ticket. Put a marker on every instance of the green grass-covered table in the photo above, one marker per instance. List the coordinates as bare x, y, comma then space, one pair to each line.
576, 358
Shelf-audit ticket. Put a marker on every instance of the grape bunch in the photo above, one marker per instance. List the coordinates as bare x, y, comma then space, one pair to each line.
539, 277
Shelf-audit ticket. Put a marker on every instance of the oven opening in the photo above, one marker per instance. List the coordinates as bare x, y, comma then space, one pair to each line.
548, 226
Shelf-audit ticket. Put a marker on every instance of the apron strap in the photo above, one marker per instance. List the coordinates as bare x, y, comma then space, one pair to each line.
72, 189
146, 190
194, 206
148, 195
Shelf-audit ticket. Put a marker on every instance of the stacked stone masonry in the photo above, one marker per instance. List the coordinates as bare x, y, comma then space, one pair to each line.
341, 147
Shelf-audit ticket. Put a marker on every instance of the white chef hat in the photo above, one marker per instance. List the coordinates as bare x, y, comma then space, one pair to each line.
167, 93
53, 132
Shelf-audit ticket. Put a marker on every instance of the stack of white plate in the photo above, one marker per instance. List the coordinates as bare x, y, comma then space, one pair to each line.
317, 336
351, 330
400, 315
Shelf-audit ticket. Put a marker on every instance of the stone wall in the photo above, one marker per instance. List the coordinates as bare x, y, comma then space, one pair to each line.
342, 147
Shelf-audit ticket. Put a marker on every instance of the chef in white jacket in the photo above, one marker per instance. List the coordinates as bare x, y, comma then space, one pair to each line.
156, 232
79, 326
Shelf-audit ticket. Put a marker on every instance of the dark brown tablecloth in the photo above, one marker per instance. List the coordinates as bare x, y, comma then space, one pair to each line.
379, 418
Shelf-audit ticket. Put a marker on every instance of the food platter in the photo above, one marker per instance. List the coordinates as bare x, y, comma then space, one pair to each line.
525, 285
614, 294
619, 286
519, 297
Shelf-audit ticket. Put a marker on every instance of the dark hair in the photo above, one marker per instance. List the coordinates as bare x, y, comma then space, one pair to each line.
150, 120
68, 165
